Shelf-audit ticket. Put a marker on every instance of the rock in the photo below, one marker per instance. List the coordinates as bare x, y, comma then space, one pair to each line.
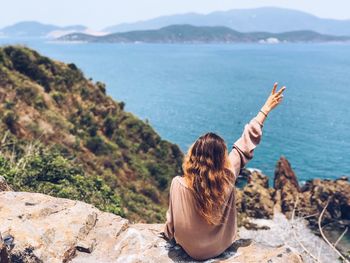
252, 226
54, 229
3, 185
284, 175
4, 257
258, 178
61, 230
286, 186
315, 195
256, 197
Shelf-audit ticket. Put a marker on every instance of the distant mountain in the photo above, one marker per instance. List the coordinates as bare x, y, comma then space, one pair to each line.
266, 19
194, 34
36, 29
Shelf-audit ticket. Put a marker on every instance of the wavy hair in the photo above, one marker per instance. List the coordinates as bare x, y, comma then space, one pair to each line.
207, 173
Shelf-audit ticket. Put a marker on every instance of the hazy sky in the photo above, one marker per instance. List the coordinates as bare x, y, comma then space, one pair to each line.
100, 13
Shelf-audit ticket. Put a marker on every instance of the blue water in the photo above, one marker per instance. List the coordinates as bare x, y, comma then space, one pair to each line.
187, 90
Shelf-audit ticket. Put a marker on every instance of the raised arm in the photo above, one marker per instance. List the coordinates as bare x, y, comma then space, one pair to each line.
243, 149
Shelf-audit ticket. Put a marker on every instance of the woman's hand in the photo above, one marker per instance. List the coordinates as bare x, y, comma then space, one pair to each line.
273, 100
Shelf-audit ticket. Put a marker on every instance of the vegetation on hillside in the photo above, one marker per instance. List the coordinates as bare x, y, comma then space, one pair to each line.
90, 148
41, 169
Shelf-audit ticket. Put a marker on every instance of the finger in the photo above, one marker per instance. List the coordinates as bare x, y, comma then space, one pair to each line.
274, 88
281, 90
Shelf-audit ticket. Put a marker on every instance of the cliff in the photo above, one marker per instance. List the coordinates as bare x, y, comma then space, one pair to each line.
60, 134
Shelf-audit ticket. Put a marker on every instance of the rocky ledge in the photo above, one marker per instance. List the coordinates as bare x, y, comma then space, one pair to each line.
40, 228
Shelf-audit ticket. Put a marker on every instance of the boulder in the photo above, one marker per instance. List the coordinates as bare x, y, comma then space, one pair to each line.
4, 257
256, 197
286, 186
40, 228
317, 193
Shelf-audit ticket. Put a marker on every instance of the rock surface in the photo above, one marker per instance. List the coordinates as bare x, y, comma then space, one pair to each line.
256, 198
286, 186
41, 228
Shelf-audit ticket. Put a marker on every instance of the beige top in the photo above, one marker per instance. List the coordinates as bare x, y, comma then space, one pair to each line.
199, 239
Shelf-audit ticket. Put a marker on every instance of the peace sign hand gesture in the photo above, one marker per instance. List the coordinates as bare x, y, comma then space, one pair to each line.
274, 99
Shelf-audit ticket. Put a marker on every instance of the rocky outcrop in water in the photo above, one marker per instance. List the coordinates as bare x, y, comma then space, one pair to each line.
257, 200
40, 228
286, 186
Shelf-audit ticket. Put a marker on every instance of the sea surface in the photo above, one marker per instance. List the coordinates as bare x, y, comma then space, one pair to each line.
187, 90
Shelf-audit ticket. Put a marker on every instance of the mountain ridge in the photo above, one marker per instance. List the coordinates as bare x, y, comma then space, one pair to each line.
246, 20
203, 34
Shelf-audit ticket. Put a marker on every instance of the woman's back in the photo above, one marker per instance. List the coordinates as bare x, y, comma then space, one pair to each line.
198, 238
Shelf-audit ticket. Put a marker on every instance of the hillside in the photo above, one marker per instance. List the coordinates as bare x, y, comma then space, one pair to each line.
62, 135
202, 34
265, 19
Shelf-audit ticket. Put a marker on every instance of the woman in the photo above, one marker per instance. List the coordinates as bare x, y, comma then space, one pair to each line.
202, 212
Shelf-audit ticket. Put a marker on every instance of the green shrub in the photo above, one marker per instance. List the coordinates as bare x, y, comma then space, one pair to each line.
121, 105
23, 60
58, 97
72, 75
27, 94
35, 129
72, 66
101, 86
92, 130
84, 93
160, 173
9, 105
97, 145
151, 192
10, 119
110, 125
39, 103
86, 120
176, 151
50, 173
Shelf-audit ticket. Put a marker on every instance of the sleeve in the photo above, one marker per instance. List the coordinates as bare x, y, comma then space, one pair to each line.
243, 149
169, 224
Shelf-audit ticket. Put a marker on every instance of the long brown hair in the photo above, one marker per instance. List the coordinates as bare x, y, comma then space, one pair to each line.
206, 172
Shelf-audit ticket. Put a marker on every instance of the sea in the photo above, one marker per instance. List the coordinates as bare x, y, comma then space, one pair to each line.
186, 90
